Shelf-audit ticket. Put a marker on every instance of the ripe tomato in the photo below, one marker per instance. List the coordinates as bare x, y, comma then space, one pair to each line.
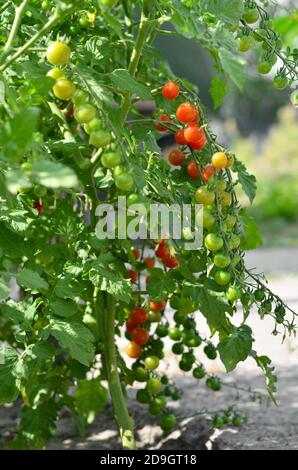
222, 278
176, 157
55, 73
110, 159
136, 253
162, 118
219, 160
85, 113
150, 262
148, 277
133, 275
170, 261
161, 251
233, 293
204, 196
92, 126
133, 350
250, 15
130, 324
124, 181
208, 172
213, 242
100, 138
140, 336
200, 143
157, 306
58, 53
193, 133
193, 170
186, 113
221, 260
38, 205
64, 89
179, 137
151, 362
139, 315
170, 91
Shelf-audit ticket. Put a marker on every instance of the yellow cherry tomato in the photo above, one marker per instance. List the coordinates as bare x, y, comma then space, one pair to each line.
219, 160
55, 73
64, 89
58, 53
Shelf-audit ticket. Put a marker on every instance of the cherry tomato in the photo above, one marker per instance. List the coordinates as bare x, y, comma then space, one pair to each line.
219, 160
264, 67
225, 199
175, 333
280, 82
213, 242
80, 97
148, 277
245, 43
221, 260
124, 181
193, 133
259, 295
170, 261
136, 253
250, 15
154, 317
192, 170
170, 91
55, 73
179, 137
139, 315
161, 251
208, 219
176, 157
150, 262
133, 350
213, 383
162, 118
222, 278
85, 113
186, 113
38, 205
167, 422
208, 173
154, 386
58, 53
140, 374
132, 199
230, 162
140, 336
204, 196
92, 126
200, 143
233, 293
130, 324
230, 221
110, 159
199, 372
64, 89
234, 242
157, 306
109, 3
133, 275
143, 396
151, 362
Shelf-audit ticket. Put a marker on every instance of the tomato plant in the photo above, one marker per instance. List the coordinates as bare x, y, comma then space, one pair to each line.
74, 81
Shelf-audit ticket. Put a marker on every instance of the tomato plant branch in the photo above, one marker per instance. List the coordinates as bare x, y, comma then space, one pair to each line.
15, 26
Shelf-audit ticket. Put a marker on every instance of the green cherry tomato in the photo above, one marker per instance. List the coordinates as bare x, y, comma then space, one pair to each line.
213, 242
55, 73
178, 348
151, 362
204, 196
259, 295
234, 242
124, 182
85, 113
213, 383
251, 15
264, 67
154, 386
154, 317
110, 159
132, 198
161, 401
245, 43
100, 138
143, 396
109, 3
233, 293
221, 260
141, 374
280, 82
218, 422
93, 125
210, 351
222, 278
230, 221
167, 422
199, 372
80, 97
154, 409
162, 331
208, 219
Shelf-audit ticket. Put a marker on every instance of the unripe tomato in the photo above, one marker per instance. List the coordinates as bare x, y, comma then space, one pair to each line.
143, 396
92, 126
110, 159
180, 138
280, 82
109, 3
245, 43
55, 73
233, 293
162, 331
264, 67
185, 365
176, 157
170, 91
167, 422
192, 170
221, 260
234, 242
199, 373
219, 160
199, 144
118, 170
233, 27
26, 166
177, 348
193, 133
140, 336
259, 295
161, 251
175, 333
186, 113
85, 113
237, 421
222, 278
250, 15
154, 317
221, 185
132, 198
213, 383
225, 199
208, 173
230, 221
170, 261
204, 196
161, 400
213, 242
208, 219
139, 315
154, 386
151, 362
80, 97
133, 350
154, 409
140, 374
64, 89
218, 422
124, 182
150, 262
162, 118
157, 306
58, 53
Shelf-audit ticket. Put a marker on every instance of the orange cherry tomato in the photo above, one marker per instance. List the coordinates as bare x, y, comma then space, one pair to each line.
133, 350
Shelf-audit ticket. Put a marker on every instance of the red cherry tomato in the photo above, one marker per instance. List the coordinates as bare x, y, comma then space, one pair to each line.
133, 350
157, 306
150, 262
162, 118
192, 170
176, 157
140, 336
171, 261
199, 144
38, 205
193, 133
170, 91
186, 113
148, 278
136, 253
161, 251
179, 137
70, 112
132, 275
208, 172
130, 324
139, 315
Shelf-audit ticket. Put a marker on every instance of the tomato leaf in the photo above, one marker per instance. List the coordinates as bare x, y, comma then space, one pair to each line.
160, 285
247, 181
251, 237
218, 91
230, 11
235, 347
8, 388
122, 80
233, 67
90, 399
264, 363
52, 174
31, 280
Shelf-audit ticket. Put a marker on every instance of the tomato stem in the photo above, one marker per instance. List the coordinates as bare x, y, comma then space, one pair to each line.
15, 27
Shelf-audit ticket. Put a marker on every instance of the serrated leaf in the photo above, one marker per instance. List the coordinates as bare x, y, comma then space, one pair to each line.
52, 174
95, 83
39, 424
248, 182
63, 307
160, 285
218, 91
31, 280
4, 290
236, 347
251, 238
264, 363
90, 399
122, 80
8, 388
68, 287
233, 66
23, 125
230, 11
74, 338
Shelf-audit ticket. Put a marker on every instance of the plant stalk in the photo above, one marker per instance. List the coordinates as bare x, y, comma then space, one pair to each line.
15, 27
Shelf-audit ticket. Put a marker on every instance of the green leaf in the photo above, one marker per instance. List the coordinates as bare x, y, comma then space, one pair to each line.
122, 80
90, 399
251, 237
230, 11
63, 307
75, 338
236, 347
53, 174
264, 363
248, 182
160, 285
95, 83
104, 273
68, 287
8, 388
39, 424
23, 125
233, 66
218, 91
66, 222
4, 290
31, 280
